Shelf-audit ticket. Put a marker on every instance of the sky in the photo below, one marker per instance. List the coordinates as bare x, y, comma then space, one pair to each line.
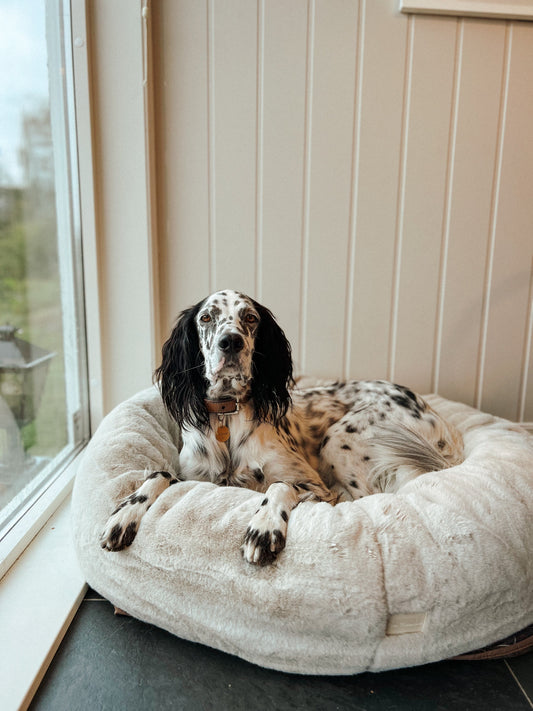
23, 76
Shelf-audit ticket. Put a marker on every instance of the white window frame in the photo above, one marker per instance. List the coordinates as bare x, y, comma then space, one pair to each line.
25, 513
502, 9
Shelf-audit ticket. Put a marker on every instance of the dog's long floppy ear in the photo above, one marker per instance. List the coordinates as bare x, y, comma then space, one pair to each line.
180, 375
271, 369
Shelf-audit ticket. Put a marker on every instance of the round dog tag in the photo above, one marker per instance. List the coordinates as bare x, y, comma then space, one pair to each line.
222, 434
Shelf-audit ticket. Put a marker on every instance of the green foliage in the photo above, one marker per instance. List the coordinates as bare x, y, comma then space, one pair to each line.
28, 250
29, 436
12, 274
30, 299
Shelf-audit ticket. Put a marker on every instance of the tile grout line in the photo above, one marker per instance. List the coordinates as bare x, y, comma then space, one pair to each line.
530, 702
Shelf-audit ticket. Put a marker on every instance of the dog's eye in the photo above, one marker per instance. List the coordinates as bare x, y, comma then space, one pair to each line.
205, 318
251, 318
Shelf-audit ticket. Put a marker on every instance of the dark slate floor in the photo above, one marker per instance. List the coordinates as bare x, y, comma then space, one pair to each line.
115, 663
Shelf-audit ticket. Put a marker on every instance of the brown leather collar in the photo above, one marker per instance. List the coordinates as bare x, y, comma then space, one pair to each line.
225, 406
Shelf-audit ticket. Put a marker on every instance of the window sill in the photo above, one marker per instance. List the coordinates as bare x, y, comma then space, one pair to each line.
39, 596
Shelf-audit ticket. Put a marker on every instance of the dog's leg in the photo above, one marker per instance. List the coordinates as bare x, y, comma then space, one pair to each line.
123, 523
266, 534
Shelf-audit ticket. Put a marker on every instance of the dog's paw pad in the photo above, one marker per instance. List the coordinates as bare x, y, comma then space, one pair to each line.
118, 537
122, 526
262, 548
265, 537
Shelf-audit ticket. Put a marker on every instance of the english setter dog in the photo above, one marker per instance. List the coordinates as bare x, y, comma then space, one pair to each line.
226, 378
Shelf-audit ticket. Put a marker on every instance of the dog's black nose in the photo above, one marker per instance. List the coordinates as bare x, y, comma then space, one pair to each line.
231, 343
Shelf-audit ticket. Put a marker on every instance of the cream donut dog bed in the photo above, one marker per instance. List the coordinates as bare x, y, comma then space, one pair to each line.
442, 568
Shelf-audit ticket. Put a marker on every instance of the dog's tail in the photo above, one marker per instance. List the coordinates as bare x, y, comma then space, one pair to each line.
401, 454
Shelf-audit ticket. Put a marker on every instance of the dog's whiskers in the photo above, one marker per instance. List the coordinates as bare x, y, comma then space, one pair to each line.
187, 370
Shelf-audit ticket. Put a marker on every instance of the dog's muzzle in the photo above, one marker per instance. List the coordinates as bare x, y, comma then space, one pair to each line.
231, 343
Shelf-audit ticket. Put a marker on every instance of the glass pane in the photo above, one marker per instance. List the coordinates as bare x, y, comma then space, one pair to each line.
35, 319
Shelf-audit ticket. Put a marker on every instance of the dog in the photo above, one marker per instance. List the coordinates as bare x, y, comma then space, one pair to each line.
226, 377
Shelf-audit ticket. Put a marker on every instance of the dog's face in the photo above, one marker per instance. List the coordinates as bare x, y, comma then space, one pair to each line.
227, 345
227, 324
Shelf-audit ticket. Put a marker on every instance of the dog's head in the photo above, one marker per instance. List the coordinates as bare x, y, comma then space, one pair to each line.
227, 324
227, 345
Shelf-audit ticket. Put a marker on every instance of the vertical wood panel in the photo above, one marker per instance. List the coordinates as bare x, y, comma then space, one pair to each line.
335, 46
182, 146
421, 225
234, 93
127, 318
513, 244
526, 396
468, 221
378, 167
283, 103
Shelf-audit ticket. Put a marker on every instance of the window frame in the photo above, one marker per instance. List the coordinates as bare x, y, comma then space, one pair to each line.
32, 506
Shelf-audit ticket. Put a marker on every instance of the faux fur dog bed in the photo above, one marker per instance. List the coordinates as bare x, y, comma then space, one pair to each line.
442, 568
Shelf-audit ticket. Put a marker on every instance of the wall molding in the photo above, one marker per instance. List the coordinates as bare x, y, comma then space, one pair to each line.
520, 10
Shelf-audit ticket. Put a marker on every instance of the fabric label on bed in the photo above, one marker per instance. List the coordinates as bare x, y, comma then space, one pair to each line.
406, 623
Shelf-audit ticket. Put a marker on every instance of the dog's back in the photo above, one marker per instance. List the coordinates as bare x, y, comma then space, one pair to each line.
374, 436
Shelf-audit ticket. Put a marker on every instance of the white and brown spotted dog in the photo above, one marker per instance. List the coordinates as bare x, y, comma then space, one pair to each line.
226, 378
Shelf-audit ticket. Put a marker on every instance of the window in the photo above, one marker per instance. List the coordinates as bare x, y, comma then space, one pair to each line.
43, 400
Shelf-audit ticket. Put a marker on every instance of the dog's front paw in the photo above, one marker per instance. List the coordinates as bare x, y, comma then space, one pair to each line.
265, 536
121, 528
262, 548
124, 522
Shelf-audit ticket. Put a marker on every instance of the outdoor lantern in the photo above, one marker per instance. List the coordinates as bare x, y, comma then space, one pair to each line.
23, 369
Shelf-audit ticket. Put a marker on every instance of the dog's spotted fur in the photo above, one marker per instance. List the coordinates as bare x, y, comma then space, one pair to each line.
336, 441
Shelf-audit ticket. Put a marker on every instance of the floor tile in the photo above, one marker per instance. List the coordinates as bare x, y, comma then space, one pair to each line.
108, 662
92, 595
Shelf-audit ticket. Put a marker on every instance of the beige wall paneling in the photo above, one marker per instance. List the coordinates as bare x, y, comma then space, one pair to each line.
327, 220
365, 174
233, 143
122, 196
526, 396
281, 157
182, 135
422, 192
473, 151
380, 105
509, 272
